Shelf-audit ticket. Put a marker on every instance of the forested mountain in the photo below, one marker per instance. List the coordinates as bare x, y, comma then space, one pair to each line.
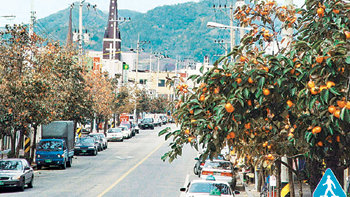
179, 31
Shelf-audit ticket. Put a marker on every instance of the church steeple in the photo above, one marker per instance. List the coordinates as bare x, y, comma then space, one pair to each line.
111, 40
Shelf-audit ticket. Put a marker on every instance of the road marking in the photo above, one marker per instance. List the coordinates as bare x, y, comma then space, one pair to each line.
131, 169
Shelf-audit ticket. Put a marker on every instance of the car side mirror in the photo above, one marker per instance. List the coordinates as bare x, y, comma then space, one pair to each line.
182, 189
196, 158
237, 192
26, 168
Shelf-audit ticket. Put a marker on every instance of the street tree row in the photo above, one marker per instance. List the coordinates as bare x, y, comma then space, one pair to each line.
42, 81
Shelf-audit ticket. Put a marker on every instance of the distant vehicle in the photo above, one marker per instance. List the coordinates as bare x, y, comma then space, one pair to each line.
57, 145
103, 139
171, 120
164, 120
136, 128
85, 145
199, 188
221, 170
114, 134
147, 123
129, 126
200, 163
157, 122
126, 132
16, 173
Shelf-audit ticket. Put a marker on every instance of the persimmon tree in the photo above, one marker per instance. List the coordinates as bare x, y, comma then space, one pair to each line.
264, 105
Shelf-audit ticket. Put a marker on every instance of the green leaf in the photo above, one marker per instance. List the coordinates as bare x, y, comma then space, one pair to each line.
325, 96
312, 102
164, 131
246, 93
334, 91
261, 82
347, 60
330, 130
167, 136
197, 111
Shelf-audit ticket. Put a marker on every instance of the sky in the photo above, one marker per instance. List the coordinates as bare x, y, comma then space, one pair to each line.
21, 8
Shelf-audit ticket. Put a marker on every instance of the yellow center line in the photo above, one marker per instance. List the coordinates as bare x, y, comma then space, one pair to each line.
130, 170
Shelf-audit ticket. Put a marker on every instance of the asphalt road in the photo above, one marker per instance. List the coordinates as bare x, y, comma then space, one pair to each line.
130, 168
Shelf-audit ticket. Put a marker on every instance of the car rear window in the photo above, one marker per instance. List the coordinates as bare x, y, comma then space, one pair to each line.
209, 187
221, 165
114, 131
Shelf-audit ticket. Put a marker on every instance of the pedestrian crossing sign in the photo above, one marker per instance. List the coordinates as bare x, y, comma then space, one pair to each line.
329, 186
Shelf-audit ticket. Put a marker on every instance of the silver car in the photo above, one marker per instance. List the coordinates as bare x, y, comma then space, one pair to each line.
102, 139
16, 173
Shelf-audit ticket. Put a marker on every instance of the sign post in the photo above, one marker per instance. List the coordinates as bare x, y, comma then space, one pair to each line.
329, 186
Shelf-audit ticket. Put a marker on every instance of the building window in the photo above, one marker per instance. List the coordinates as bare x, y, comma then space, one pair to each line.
143, 81
161, 83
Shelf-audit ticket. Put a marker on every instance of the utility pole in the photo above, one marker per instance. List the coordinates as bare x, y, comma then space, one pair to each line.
32, 18
80, 33
232, 31
138, 45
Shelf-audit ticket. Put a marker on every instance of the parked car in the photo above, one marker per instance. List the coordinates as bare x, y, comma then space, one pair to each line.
85, 145
171, 120
147, 123
16, 173
221, 170
157, 122
114, 134
126, 132
197, 188
102, 138
164, 120
98, 142
200, 163
129, 126
135, 127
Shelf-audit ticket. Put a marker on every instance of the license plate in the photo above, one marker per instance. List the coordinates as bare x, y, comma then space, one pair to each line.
48, 160
84, 151
1, 183
114, 137
217, 173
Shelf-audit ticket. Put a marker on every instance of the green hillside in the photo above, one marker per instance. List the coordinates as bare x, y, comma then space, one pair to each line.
179, 30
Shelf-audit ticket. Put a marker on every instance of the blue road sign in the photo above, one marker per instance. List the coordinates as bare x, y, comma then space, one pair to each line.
329, 186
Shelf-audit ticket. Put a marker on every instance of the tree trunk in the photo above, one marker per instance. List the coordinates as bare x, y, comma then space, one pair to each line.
315, 173
13, 144
118, 120
105, 127
92, 125
260, 177
114, 120
332, 162
278, 177
20, 143
2, 144
75, 128
34, 143
290, 177
299, 178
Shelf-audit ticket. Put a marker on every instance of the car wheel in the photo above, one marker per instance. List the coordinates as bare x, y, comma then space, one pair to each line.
30, 184
64, 165
21, 187
152, 128
38, 167
69, 162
